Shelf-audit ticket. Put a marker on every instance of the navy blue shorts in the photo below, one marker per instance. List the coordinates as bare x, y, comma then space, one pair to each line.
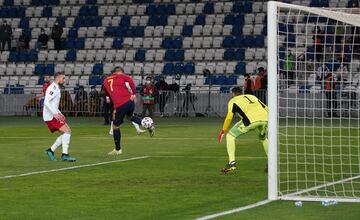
126, 109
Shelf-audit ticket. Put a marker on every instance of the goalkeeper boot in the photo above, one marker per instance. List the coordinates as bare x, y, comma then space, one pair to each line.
115, 152
67, 157
151, 131
229, 167
50, 154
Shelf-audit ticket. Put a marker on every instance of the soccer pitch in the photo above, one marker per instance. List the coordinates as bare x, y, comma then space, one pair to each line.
174, 175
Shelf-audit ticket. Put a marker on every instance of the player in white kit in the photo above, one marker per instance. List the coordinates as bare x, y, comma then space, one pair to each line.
55, 120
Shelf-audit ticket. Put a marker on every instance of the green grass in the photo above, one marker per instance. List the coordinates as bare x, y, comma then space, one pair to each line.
179, 180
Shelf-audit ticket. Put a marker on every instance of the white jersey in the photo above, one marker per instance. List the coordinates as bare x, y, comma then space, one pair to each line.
51, 102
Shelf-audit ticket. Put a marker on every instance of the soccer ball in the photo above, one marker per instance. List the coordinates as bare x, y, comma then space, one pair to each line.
147, 122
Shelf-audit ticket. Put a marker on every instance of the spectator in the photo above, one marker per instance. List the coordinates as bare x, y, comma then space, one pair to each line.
353, 4
46, 83
148, 92
248, 85
331, 96
289, 67
81, 98
258, 88
107, 107
5, 35
189, 99
318, 43
94, 101
162, 88
344, 53
56, 33
66, 104
23, 41
42, 40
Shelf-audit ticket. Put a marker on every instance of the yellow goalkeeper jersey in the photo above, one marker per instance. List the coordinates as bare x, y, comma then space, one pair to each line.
249, 108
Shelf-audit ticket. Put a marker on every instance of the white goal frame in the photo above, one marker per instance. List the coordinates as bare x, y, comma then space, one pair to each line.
272, 67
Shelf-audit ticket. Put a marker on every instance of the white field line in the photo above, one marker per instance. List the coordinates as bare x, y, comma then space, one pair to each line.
72, 168
107, 137
240, 209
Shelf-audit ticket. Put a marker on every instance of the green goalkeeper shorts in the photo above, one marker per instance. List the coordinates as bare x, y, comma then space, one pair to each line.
239, 129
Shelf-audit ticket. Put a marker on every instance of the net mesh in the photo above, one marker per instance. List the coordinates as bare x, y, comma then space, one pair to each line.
318, 102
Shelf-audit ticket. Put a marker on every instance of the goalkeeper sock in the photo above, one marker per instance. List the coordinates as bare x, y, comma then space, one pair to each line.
230, 145
57, 143
117, 138
136, 119
65, 142
265, 145
137, 127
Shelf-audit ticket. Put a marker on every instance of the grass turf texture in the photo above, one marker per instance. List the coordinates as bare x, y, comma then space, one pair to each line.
180, 179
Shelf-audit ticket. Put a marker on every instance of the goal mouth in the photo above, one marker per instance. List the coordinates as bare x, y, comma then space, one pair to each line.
313, 92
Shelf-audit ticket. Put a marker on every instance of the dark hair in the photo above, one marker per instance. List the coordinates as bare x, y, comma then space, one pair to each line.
246, 75
117, 69
236, 90
58, 74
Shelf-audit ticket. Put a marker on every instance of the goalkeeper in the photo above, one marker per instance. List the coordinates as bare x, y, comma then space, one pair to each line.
253, 114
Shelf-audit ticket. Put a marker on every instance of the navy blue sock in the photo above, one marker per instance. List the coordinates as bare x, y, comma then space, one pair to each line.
117, 138
136, 119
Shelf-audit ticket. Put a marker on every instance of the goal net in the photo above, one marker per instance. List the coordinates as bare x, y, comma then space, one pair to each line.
314, 126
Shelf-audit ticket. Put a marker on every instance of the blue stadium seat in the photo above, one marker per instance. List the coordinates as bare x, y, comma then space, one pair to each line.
23, 56
236, 30
33, 56
24, 23
208, 8
96, 21
240, 54
259, 41
125, 21
79, 22
228, 42
200, 20
221, 80
189, 68
167, 43
187, 31
93, 10
39, 69
160, 10
229, 19
13, 56
162, 20
91, 2
179, 55
179, 68
8, 2
177, 43
117, 43
291, 40
229, 54
47, 12
21, 12
248, 41
140, 55
281, 53
84, 11
61, 21
80, 43
210, 80
232, 80
139, 31
49, 69
69, 44
224, 89
153, 20
240, 69
168, 69
171, 9
150, 10
238, 7
98, 69
169, 55
239, 20
95, 80
73, 33
110, 31
71, 55
247, 7
238, 41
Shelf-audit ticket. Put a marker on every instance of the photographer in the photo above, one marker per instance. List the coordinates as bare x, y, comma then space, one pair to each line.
189, 100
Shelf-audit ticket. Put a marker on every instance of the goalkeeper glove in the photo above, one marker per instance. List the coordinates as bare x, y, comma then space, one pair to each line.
221, 135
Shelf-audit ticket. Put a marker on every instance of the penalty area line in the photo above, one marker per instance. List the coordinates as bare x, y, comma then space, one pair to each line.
240, 209
73, 167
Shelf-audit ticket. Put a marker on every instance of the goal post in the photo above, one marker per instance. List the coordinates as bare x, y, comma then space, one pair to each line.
313, 99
